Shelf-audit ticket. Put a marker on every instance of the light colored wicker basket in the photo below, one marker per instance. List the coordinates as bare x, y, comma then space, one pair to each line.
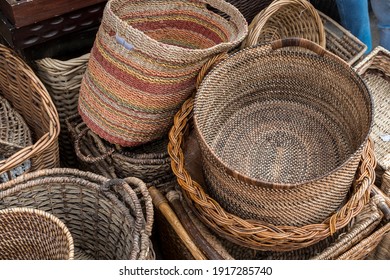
63, 80
108, 218
31, 234
28, 96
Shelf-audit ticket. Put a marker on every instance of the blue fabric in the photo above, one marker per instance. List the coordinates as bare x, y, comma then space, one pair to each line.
354, 16
381, 9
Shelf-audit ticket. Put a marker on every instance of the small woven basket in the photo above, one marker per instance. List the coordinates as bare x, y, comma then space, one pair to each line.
108, 218
284, 19
14, 136
145, 60
28, 96
282, 147
149, 162
298, 18
31, 234
63, 80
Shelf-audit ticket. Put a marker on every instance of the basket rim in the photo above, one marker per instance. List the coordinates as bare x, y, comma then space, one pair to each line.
52, 218
275, 45
159, 46
257, 234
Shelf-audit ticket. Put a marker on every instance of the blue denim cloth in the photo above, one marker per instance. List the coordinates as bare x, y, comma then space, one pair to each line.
381, 9
354, 16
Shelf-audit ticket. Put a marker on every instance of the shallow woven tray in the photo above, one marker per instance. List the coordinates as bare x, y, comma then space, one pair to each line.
28, 96
31, 234
63, 80
108, 218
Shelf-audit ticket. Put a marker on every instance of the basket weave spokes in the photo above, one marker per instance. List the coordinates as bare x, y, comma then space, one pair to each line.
257, 234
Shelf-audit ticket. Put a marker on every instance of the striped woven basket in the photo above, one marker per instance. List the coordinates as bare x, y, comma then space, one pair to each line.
31, 234
145, 60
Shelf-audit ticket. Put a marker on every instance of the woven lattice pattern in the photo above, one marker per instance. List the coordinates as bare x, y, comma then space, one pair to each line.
144, 63
31, 234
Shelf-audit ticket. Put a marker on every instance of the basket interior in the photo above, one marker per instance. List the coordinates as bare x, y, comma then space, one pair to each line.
187, 24
287, 116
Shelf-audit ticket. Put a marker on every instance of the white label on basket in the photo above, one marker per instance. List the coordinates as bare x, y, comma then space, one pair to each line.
385, 138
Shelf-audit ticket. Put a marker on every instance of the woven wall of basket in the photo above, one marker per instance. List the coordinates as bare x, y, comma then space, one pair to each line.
149, 162
108, 218
223, 174
31, 234
62, 80
250, 8
298, 18
28, 96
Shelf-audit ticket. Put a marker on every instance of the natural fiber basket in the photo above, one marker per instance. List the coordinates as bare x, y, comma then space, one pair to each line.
27, 95
14, 136
149, 162
145, 60
282, 147
108, 218
298, 18
250, 8
375, 71
31, 234
63, 80
284, 19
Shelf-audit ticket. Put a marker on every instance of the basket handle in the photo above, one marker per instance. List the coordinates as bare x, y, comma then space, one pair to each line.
89, 158
299, 42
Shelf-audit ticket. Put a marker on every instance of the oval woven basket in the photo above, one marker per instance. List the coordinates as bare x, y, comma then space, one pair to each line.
284, 19
145, 60
63, 80
257, 234
108, 218
31, 234
282, 147
149, 162
28, 96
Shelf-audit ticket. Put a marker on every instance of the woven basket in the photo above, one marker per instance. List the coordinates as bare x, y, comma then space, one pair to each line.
63, 80
250, 8
14, 136
149, 162
284, 19
298, 18
328, 7
375, 71
26, 94
108, 219
144, 63
283, 147
31, 234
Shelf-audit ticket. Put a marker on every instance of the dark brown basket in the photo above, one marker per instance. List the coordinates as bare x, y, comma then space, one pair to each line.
282, 147
31, 234
28, 96
63, 80
108, 218
250, 8
149, 162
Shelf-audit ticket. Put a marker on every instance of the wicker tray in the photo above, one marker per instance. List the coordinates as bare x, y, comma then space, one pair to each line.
63, 80
108, 219
27, 95
31, 234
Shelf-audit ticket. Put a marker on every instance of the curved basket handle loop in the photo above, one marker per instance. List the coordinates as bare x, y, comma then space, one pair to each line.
89, 158
299, 42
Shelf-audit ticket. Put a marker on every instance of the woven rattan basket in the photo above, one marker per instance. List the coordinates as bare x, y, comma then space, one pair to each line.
62, 80
108, 219
149, 162
27, 95
31, 234
282, 147
298, 18
14, 136
250, 8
